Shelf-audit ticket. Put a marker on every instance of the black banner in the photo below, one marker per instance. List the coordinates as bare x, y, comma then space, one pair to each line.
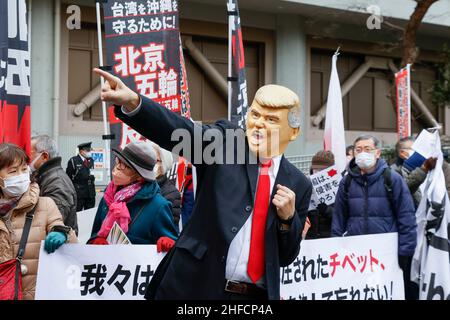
239, 100
14, 74
143, 48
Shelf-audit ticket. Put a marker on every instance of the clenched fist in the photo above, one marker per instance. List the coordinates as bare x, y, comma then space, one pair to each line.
284, 201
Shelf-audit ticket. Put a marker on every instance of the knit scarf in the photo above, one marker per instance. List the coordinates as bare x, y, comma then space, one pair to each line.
117, 204
7, 205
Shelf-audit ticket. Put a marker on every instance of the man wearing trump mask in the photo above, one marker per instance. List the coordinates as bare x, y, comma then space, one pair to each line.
249, 212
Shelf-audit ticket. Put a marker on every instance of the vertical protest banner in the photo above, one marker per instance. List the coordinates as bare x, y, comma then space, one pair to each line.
144, 50
237, 82
83, 272
15, 113
334, 134
345, 268
403, 90
431, 264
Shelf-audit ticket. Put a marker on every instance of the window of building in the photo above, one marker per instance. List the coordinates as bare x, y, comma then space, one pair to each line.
207, 105
367, 106
83, 56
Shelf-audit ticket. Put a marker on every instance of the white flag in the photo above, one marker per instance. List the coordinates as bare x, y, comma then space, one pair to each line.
334, 135
431, 263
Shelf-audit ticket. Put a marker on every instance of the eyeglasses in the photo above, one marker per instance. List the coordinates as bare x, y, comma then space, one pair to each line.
365, 149
120, 165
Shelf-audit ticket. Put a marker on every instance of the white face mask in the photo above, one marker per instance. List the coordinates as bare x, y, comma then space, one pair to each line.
87, 154
16, 186
365, 160
32, 168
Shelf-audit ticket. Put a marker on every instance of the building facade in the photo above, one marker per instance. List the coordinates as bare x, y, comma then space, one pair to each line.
286, 42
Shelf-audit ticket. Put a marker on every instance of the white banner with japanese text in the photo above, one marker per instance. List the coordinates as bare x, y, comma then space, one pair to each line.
325, 186
345, 268
89, 272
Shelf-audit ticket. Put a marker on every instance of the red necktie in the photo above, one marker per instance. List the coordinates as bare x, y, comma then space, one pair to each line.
256, 258
86, 163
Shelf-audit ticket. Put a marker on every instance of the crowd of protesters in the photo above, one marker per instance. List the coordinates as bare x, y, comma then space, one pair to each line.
373, 197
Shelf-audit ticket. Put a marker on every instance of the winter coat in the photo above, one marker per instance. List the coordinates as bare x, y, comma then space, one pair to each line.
56, 184
45, 218
413, 179
369, 209
151, 216
416, 177
171, 193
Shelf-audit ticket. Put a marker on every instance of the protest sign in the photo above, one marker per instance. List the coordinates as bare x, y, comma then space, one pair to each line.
325, 185
403, 87
345, 268
113, 272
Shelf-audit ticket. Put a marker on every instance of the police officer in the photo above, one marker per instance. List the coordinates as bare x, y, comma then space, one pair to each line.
79, 171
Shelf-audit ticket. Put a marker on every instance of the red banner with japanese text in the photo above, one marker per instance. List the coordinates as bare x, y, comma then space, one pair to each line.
144, 49
15, 124
403, 88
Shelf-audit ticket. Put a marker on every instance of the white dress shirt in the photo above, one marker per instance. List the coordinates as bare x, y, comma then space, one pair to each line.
132, 113
237, 259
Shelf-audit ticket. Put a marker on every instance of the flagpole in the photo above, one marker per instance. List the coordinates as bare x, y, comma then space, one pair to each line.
102, 81
230, 69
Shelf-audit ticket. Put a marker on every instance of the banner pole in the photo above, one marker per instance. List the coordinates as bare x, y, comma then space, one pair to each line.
230, 69
105, 119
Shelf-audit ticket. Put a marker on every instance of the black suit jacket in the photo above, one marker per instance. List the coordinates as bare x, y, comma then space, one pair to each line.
195, 267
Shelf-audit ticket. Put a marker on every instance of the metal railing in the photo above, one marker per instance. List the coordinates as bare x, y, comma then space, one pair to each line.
302, 162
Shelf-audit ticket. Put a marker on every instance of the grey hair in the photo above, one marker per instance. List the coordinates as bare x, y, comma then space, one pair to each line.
401, 144
376, 142
47, 144
166, 158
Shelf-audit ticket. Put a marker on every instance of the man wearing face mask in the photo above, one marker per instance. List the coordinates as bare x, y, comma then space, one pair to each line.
373, 199
53, 181
79, 171
417, 176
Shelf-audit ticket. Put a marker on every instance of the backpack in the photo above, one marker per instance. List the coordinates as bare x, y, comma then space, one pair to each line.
387, 176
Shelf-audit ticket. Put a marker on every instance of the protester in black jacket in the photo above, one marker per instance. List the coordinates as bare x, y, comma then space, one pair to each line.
53, 181
164, 163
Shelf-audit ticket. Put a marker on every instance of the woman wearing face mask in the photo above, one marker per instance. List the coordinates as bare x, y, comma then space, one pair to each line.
19, 196
133, 200
168, 190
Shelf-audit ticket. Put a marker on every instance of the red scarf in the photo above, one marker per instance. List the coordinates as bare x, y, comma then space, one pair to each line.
117, 204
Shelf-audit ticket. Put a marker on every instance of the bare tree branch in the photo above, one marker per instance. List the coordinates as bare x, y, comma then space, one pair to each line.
410, 51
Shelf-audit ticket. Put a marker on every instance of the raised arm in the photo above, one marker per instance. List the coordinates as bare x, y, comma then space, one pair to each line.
154, 121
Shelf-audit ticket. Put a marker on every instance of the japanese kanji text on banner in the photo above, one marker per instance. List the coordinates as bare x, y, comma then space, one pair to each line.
143, 48
345, 268
403, 86
14, 74
114, 272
